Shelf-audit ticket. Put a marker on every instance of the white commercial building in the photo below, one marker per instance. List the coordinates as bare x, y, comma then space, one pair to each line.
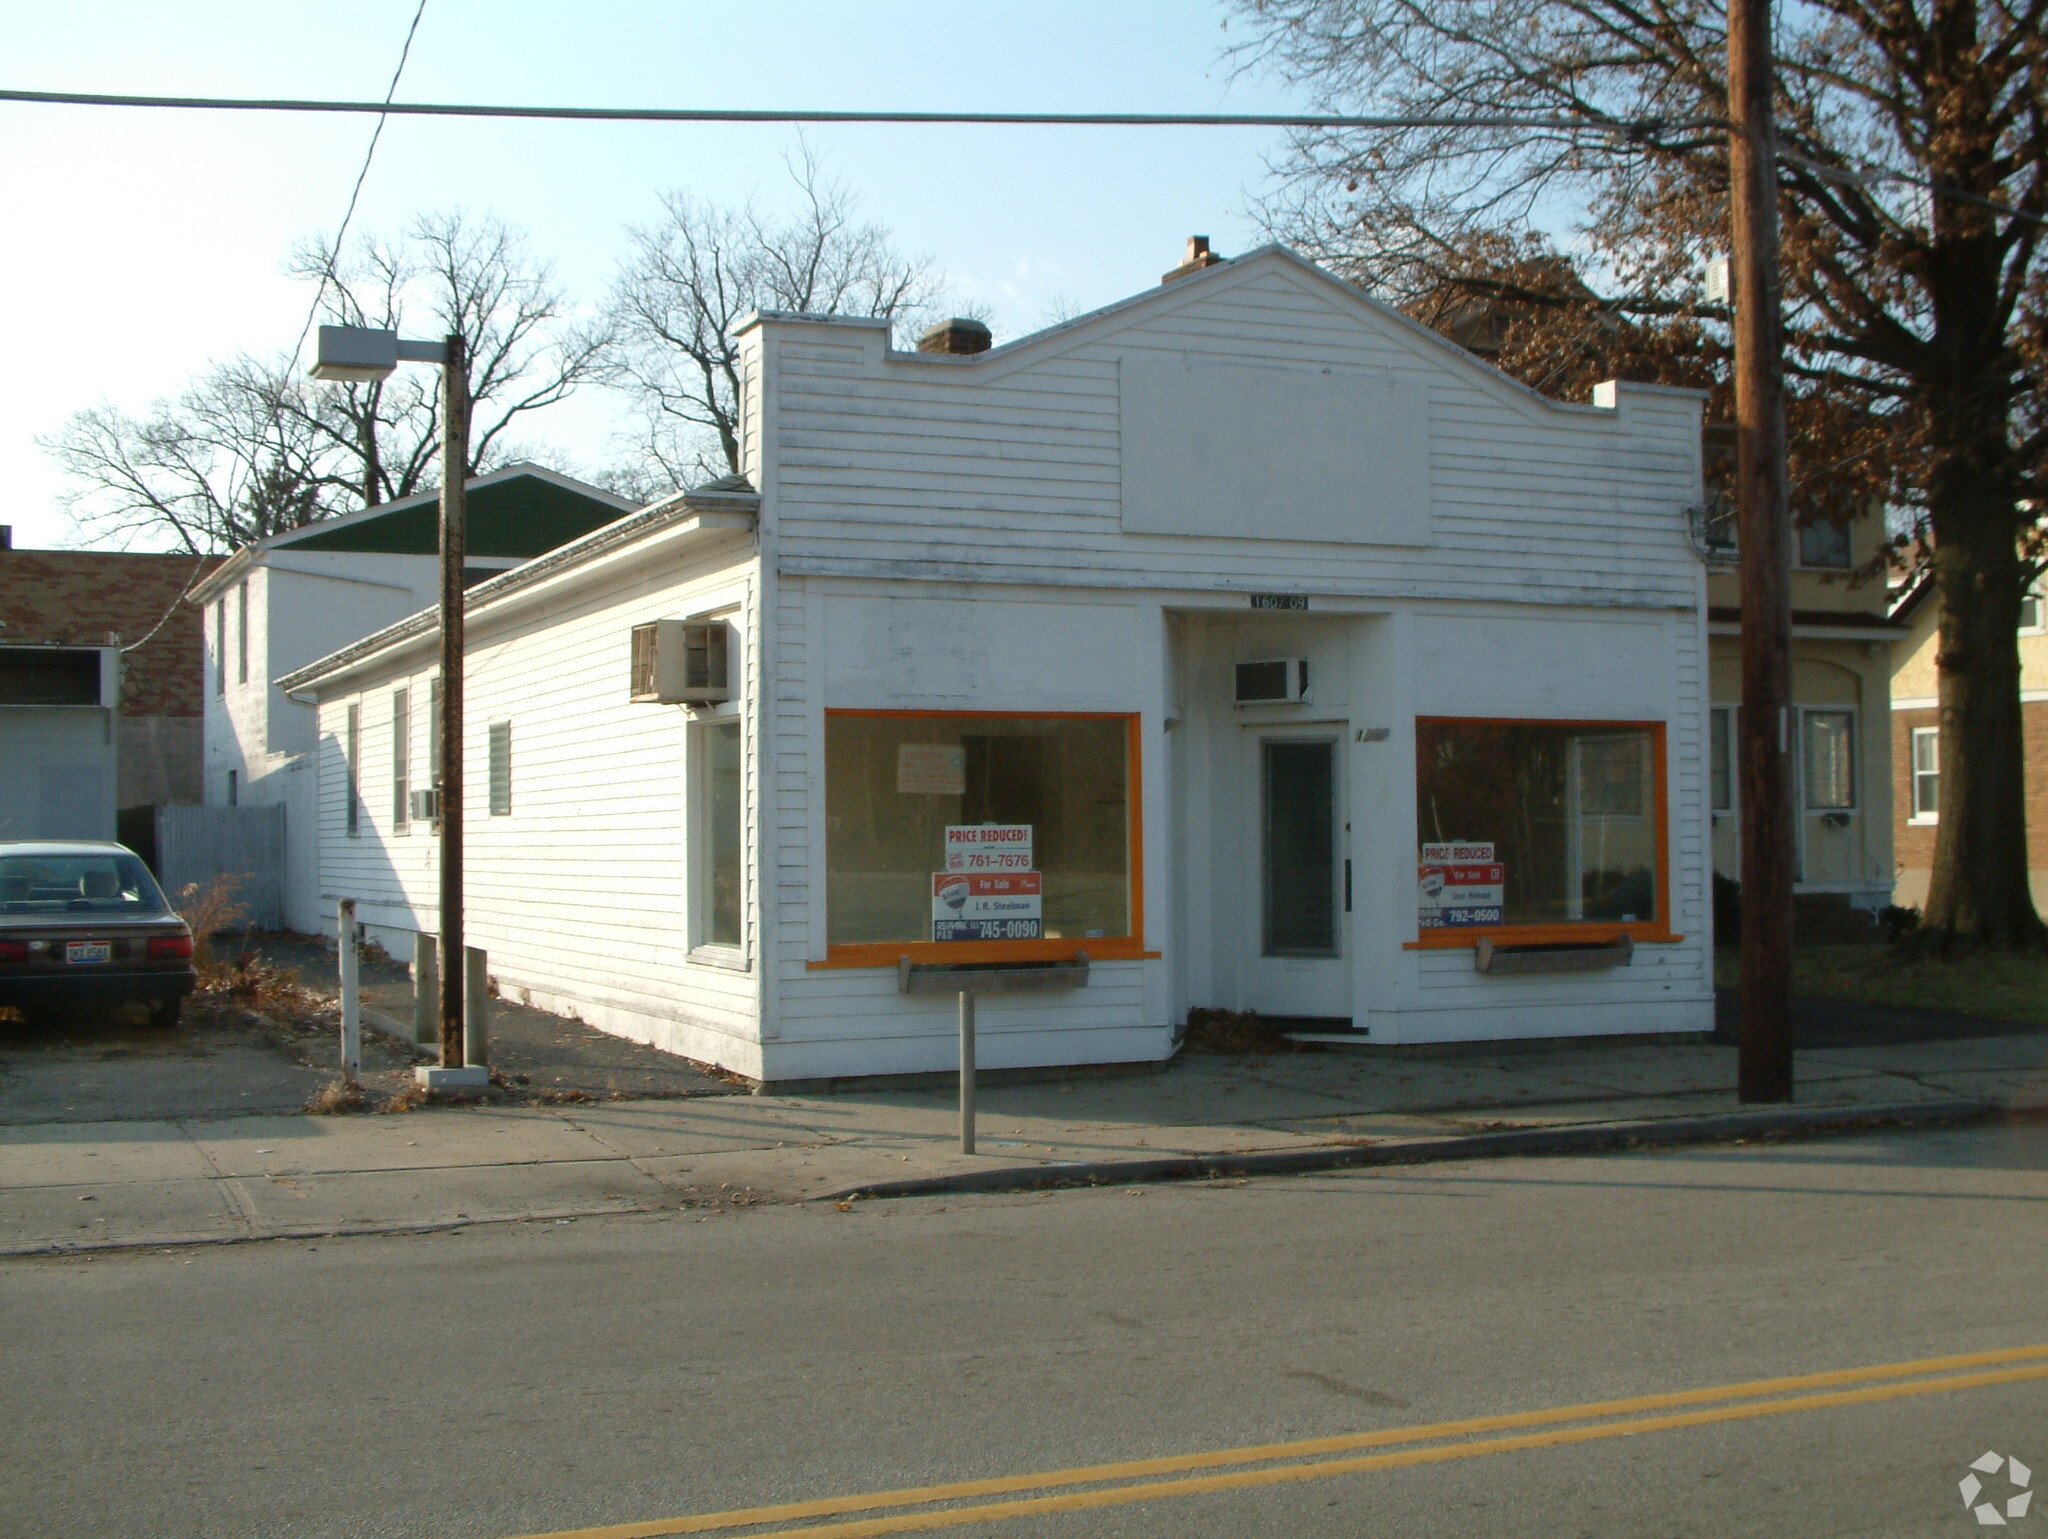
1244, 637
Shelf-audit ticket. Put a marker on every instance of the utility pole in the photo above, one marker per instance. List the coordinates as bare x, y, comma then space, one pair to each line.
1764, 1071
448, 800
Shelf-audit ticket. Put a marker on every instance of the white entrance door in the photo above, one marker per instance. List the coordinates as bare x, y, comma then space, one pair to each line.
1296, 896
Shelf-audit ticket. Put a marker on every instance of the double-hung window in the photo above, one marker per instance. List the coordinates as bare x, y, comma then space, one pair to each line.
721, 866
352, 757
1721, 758
1926, 774
401, 760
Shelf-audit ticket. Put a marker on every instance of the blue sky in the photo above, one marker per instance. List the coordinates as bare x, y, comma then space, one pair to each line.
145, 244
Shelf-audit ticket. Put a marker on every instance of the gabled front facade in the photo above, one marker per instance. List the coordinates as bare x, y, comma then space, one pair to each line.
1244, 638
278, 604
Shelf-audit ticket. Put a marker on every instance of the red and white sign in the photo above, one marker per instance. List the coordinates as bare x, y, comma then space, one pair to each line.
987, 905
989, 847
1459, 884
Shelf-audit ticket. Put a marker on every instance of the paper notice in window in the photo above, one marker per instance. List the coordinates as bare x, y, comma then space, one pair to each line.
987, 905
989, 847
931, 769
1449, 895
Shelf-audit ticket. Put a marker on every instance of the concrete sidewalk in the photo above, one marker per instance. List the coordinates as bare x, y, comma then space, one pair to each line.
82, 1185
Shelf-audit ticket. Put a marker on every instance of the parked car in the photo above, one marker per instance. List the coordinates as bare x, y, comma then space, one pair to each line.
85, 923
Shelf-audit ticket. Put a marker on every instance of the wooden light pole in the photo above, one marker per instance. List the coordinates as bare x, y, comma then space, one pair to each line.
364, 354
448, 798
1764, 1072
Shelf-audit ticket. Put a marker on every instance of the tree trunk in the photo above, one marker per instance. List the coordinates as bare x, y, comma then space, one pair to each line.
1979, 892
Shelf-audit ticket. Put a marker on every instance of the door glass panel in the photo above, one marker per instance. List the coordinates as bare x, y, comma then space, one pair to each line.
1298, 790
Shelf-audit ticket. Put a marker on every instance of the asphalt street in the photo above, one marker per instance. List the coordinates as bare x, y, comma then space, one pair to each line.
558, 1377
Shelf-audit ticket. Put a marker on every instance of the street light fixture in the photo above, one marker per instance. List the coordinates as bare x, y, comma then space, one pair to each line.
362, 355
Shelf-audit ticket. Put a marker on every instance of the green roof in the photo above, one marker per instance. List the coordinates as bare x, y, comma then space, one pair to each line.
520, 516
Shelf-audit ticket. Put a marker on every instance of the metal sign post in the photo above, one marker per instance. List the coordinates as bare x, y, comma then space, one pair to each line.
351, 994
966, 1072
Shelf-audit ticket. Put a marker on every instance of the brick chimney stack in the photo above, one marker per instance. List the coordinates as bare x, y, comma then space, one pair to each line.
959, 335
1199, 256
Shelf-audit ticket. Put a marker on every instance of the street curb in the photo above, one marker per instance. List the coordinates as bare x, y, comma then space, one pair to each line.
331, 1232
1589, 1138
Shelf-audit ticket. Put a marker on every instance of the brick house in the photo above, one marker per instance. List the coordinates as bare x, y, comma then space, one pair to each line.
1916, 739
101, 688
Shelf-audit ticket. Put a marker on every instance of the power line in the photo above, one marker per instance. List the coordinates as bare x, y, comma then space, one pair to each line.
1866, 176
744, 115
1630, 128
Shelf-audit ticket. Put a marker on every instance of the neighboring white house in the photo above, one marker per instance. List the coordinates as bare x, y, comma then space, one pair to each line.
278, 604
1244, 636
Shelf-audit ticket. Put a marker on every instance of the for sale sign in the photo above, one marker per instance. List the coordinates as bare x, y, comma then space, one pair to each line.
987, 905
1459, 884
989, 847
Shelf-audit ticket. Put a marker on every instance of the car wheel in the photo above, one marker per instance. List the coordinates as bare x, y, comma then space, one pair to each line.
165, 1013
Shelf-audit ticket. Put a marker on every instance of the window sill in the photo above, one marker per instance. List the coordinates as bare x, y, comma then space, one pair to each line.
1926, 822
1100, 948
1542, 934
731, 958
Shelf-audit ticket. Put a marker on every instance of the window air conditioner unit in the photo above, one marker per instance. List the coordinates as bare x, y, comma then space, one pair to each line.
424, 806
682, 662
1273, 681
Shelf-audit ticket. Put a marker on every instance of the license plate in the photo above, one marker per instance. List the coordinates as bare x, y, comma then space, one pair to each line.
88, 951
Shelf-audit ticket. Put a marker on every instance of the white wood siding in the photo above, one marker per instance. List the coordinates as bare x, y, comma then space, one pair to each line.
581, 895
996, 483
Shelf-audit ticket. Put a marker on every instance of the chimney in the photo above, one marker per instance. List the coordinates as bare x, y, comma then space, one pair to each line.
6, 536
959, 335
1199, 256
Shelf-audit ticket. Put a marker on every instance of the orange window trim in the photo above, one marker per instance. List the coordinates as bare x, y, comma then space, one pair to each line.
1592, 932
1100, 948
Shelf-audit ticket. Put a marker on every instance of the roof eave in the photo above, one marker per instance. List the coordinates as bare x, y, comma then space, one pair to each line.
685, 514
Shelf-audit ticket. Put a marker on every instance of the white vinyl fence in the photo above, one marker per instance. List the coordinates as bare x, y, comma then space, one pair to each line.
197, 844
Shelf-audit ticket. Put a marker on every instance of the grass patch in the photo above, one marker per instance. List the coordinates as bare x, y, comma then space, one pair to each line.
2000, 986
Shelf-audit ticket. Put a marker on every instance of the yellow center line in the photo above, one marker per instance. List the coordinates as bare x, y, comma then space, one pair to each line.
1077, 1501
1138, 1469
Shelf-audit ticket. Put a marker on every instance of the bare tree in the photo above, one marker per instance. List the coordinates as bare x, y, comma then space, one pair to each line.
235, 457
450, 273
252, 448
1913, 185
693, 275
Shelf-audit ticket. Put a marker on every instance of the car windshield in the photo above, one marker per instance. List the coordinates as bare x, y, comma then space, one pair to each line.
77, 884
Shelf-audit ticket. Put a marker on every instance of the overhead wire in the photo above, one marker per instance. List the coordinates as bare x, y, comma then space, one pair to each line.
1632, 128
833, 115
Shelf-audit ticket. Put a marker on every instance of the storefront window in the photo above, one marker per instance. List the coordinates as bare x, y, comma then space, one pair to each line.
1537, 823
976, 827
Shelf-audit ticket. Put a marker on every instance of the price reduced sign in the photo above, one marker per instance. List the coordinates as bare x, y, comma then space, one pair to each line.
1459, 884
989, 889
